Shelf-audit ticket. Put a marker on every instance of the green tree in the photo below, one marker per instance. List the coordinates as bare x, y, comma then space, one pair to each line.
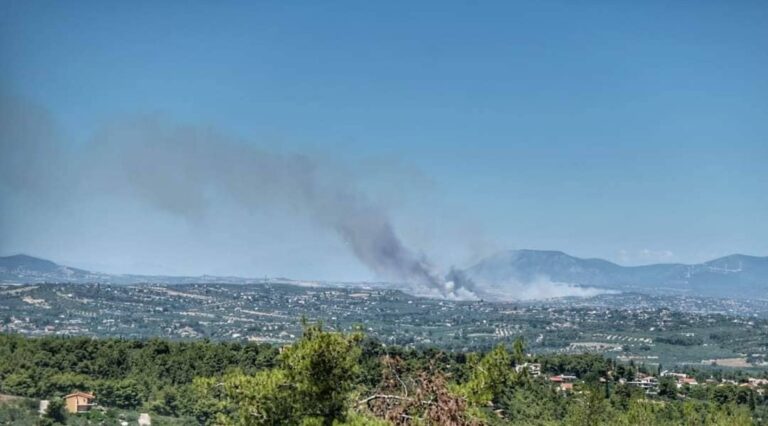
518, 350
311, 385
590, 409
55, 412
322, 368
119, 393
491, 377
239, 399
667, 387
723, 394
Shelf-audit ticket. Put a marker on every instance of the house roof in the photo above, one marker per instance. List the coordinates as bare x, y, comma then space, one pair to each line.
83, 394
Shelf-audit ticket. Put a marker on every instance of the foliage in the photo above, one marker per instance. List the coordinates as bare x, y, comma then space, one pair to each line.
56, 412
122, 373
321, 369
311, 385
335, 379
423, 398
490, 376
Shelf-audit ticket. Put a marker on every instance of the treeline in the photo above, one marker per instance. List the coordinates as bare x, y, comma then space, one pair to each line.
329, 378
680, 340
124, 373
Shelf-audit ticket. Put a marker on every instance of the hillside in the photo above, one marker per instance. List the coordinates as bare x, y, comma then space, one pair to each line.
24, 269
508, 272
731, 276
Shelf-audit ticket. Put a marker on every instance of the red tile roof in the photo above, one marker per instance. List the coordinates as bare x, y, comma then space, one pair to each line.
86, 395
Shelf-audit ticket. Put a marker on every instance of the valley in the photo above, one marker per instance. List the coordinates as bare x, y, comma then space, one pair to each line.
627, 327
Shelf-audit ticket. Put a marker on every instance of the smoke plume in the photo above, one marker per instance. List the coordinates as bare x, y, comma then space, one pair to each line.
182, 169
539, 287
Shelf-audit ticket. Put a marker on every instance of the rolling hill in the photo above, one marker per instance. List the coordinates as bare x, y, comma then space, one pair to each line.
736, 275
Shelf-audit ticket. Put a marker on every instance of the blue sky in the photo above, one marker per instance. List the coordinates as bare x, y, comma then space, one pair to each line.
633, 131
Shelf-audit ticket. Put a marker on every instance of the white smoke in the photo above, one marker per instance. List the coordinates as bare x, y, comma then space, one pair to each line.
540, 288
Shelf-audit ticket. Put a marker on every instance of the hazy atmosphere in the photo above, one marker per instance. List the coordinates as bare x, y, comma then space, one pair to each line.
342, 142
384, 213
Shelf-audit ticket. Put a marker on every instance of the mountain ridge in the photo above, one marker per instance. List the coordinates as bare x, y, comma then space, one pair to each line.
735, 275
718, 277
26, 269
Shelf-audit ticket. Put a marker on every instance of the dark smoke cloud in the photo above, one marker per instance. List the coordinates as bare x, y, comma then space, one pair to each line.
183, 169
175, 167
28, 140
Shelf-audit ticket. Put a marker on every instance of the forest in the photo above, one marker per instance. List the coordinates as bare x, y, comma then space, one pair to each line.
335, 378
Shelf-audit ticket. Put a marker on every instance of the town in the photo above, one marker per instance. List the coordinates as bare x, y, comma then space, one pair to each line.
628, 327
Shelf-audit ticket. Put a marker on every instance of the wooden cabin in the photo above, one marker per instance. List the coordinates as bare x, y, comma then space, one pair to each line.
79, 402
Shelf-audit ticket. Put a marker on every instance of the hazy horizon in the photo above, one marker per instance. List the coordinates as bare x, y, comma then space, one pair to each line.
358, 142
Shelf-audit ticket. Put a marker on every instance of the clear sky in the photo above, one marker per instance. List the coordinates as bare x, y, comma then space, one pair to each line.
632, 131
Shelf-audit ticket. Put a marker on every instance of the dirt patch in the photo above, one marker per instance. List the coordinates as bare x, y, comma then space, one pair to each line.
732, 362
9, 398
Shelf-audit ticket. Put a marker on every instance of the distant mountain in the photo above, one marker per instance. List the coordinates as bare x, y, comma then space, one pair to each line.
24, 269
507, 274
23, 262
731, 276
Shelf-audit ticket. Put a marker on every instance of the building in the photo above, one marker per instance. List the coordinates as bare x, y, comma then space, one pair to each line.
686, 381
79, 402
563, 381
145, 420
648, 383
534, 369
681, 379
